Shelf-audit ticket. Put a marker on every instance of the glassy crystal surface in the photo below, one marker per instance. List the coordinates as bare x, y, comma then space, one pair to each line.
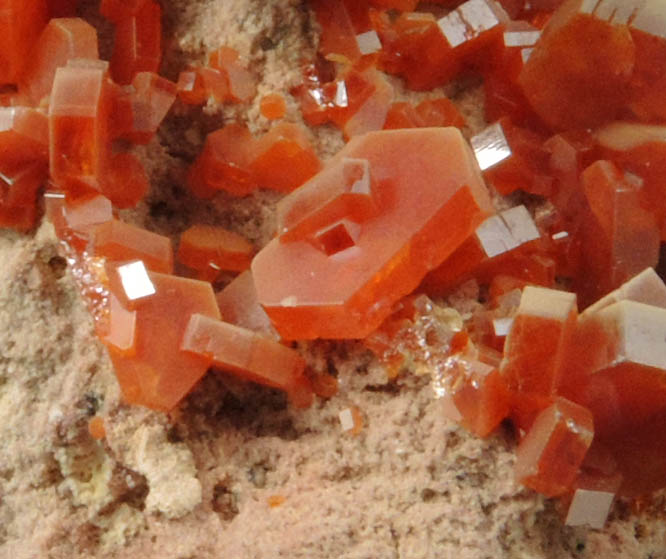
579, 71
283, 158
245, 353
158, 375
348, 294
535, 349
120, 241
61, 40
138, 43
548, 458
205, 246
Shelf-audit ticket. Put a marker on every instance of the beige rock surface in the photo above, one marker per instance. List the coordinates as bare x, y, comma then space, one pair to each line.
197, 485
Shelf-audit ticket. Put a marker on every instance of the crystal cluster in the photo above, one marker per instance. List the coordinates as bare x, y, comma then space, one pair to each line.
574, 96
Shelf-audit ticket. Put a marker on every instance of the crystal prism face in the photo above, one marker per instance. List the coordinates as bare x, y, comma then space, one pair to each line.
478, 394
589, 508
645, 287
620, 238
137, 44
121, 334
283, 158
205, 246
349, 297
548, 458
118, 241
20, 26
623, 136
241, 86
591, 92
118, 10
539, 337
507, 243
78, 114
243, 352
506, 231
135, 280
144, 107
239, 305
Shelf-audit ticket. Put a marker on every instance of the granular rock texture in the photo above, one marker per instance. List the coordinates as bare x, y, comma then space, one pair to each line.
205, 481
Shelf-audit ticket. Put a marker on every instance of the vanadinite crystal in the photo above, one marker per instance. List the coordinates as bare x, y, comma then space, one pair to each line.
346, 273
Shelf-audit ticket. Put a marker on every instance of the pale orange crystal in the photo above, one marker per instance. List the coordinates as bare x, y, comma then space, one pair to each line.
347, 294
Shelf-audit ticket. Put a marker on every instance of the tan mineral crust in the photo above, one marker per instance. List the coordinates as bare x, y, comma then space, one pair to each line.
197, 485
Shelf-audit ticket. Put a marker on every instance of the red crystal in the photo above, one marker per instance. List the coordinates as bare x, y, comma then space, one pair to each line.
579, 71
224, 163
120, 241
246, 354
137, 45
159, 374
60, 41
549, 456
21, 23
535, 349
283, 158
203, 247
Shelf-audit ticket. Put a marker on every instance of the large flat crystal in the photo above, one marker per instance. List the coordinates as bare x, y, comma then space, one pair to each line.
427, 183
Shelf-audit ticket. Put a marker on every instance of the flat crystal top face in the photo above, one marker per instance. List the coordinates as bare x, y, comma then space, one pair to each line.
589, 508
454, 28
491, 146
502, 326
646, 287
495, 237
649, 18
523, 38
623, 136
469, 20
76, 91
368, 42
135, 280
547, 303
506, 231
640, 331
520, 223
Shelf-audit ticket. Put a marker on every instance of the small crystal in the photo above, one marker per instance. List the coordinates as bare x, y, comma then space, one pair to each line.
548, 458
368, 42
589, 508
245, 354
204, 246
490, 146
